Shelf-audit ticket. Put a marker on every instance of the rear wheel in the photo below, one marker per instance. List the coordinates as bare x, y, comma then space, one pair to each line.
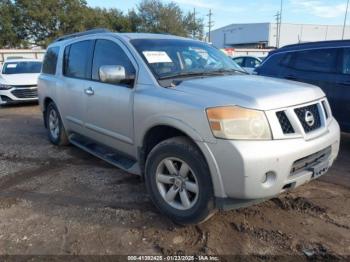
178, 180
56, 131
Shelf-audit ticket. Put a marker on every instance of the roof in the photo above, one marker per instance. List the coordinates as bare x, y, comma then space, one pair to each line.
131, 36
126, 36
311, 45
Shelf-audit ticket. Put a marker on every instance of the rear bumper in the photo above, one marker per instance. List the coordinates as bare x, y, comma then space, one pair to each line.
242, 165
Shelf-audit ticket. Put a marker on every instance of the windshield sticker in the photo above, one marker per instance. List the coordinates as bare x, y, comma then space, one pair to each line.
157, 57
11, 65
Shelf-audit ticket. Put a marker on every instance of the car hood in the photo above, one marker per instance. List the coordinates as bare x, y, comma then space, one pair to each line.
19, 79
257, 92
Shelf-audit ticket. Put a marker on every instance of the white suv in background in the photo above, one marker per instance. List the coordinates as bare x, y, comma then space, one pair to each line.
18, 80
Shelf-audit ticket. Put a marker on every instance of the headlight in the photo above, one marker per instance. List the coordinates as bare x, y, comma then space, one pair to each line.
233, 122
5, 87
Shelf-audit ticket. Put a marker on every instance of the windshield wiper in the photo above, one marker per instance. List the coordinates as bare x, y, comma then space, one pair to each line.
229, 71
184, 74
203, 73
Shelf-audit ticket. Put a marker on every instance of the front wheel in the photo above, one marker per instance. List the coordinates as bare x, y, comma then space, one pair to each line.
179, 182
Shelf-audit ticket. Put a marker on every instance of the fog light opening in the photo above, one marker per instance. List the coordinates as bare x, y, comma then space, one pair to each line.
269, 178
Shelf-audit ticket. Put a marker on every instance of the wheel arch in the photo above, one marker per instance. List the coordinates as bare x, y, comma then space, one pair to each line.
164, 130
46, 101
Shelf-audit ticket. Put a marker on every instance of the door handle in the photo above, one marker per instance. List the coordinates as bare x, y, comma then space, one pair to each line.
89, 91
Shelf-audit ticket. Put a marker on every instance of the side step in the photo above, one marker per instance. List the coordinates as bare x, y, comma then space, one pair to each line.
105, 153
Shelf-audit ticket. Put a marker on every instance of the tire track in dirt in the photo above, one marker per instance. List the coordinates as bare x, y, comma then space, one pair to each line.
23, 176
303, 205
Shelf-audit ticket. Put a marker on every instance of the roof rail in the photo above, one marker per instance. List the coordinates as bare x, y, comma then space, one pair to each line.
88, 32
311, 43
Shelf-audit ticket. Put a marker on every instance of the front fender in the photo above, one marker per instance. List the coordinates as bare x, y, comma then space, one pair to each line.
201, 143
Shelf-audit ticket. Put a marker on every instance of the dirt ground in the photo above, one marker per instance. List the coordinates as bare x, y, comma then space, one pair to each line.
65, 201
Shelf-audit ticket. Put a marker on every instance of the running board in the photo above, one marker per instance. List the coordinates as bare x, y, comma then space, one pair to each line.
107, 154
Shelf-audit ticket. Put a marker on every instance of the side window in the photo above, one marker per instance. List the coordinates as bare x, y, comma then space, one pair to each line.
239, 61
77, 60
346, 61
251, 62
110, 53
287, 59
50, 61
271, 65
320, 60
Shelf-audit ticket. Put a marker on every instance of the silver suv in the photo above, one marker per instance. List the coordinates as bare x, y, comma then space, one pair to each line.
203, 134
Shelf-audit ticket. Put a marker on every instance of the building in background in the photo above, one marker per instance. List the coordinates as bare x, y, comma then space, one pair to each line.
264, 35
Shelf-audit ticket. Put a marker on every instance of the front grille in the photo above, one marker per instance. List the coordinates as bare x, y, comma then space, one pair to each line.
302, 115
309, 161
25, 93
286, 126
24, 86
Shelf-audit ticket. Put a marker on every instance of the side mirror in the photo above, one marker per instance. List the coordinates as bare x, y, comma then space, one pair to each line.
113, 74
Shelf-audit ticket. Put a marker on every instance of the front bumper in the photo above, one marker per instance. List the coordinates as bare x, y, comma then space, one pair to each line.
242, 165
18, 95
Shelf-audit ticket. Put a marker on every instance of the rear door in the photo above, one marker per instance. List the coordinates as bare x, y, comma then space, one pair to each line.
77, 73
109, 114
341, 92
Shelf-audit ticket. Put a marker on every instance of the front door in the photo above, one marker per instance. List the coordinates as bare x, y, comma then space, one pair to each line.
109, 107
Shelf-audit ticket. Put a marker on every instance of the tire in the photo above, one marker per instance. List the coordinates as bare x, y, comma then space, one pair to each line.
194, 202
56, 136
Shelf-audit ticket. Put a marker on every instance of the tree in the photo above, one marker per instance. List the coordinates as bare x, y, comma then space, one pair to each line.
158, 17
26, 23
43, 20
194, 26
8, 30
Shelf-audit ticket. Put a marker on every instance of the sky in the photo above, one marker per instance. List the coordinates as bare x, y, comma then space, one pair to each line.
225, 12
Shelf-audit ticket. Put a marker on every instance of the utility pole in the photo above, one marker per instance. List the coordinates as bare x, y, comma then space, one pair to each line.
194, 24
346, 15
280, 25
210, 24
278, 16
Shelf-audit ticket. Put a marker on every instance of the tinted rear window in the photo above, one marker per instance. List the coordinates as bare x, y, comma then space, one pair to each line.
320, 60
77, 60
10, 68
50, 61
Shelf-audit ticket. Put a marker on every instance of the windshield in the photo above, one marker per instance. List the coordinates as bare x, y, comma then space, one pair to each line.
21, 68
171, 58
